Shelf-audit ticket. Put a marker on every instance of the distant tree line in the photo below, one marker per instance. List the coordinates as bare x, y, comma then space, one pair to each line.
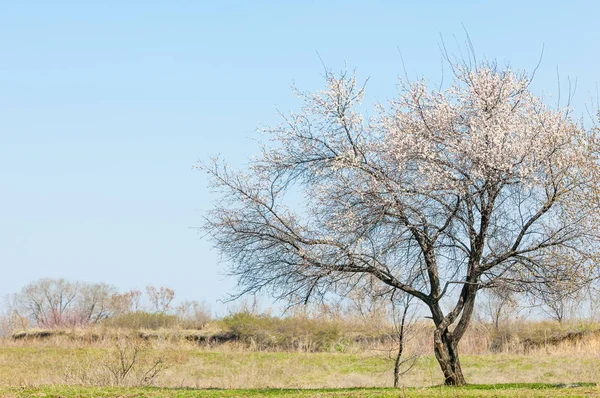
58, 303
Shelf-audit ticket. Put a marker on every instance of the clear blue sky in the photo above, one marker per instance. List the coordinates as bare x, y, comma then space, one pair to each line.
106, 106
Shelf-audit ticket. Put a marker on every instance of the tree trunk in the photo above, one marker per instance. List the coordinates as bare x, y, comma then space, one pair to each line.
445, 342
446, 353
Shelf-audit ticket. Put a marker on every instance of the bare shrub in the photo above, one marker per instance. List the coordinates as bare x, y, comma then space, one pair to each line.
126, 362
129, 362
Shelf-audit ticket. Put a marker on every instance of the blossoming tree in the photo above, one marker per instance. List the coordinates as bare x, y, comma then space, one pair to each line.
439, 195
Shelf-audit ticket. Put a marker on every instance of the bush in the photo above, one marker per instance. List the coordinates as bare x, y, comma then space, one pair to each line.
265, 331
141, 320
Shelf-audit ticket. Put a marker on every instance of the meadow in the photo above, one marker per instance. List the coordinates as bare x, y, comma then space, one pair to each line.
536, 359
317, 351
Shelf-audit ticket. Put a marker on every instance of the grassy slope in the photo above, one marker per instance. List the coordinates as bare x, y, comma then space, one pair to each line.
506, 390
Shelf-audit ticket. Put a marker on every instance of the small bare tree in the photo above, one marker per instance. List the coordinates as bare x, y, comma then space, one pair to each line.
499, 304
160, 298
94, 302
193, 312
592, 295
403, 316
11, 319
558, 300
123, 303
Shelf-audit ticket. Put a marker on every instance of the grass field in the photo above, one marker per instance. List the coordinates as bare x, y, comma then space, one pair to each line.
499, 390
65, 366
190, 367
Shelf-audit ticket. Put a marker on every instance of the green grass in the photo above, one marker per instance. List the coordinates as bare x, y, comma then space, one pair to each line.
476, 390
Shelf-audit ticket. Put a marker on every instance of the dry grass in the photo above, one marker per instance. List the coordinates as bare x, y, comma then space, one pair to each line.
496, 391
561, 354
56, 362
